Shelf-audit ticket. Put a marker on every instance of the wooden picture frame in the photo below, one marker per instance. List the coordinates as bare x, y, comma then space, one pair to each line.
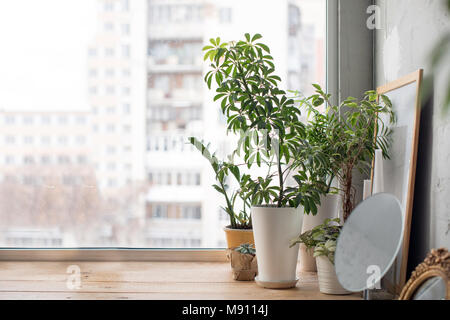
436, 264
400, 170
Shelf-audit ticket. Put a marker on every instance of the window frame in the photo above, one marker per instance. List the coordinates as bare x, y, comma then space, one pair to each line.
175, 254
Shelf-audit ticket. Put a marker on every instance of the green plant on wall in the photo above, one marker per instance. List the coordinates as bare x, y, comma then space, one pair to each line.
271, 134
348, 135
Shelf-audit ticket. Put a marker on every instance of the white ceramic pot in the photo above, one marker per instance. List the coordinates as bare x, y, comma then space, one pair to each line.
328, 281
273, 229
328, 209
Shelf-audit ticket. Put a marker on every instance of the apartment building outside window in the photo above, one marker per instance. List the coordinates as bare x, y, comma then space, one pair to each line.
114, 109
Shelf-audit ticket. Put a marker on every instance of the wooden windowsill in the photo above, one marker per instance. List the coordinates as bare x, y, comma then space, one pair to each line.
142, 280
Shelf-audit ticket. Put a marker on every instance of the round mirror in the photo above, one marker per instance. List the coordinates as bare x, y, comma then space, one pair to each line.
434, 288
369, 242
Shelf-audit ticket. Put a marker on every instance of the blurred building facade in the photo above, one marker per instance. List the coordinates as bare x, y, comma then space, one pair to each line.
126, 175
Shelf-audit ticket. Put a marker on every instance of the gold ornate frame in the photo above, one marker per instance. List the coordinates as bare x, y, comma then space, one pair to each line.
436, 264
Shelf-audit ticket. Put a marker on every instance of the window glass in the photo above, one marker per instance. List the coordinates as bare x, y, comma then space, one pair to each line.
97, 99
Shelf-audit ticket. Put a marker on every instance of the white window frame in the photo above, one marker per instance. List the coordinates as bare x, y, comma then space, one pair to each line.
153, 254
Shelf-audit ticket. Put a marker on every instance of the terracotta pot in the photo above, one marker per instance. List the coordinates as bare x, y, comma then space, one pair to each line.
328, 209
236, 237
274, 228
328, 281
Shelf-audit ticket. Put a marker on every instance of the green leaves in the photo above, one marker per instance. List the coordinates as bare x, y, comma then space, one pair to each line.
267, 120
256, 37
345, 137
246, 248
264, 47
322, 238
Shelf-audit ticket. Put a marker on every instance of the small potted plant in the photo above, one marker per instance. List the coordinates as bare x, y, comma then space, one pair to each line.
239, 231
243, 262
321, 240
272, 138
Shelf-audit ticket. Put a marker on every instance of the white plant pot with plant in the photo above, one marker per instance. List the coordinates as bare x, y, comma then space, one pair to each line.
273, 139
322, 239
348, 135
273, 229
328, 281
345, 135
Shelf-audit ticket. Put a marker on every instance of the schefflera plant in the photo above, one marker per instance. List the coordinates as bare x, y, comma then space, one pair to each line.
267, 122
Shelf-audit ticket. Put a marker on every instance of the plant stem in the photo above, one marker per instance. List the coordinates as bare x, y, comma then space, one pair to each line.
347, 203
230, 207
280, 177
329, 183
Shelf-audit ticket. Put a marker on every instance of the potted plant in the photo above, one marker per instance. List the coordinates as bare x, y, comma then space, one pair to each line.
345, 134
273, 138
348, 135
239, 231
321, 241
243, 262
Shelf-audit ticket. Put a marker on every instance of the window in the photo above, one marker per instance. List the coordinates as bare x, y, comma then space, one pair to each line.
109, 52
110, 128
80, 120
125, 28
92, 52
126, 73
125, 5
45, 140
126, 128
109, 73
63, 140
46, 120
81, 140
81, 159
63, 159
93, 90
62, 120
10, 139
109, 5
28, 120
93, 73
109, 26
126, 108
125, 51
45, 160
225, 15
111, 109
9, 159
126, 91
110, 90
28, 160
120, 112
10, 120
28, 140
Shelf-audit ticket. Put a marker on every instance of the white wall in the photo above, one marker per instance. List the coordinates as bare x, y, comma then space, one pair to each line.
410, 28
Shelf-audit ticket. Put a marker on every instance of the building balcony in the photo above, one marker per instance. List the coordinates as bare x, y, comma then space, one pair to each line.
175, 194
173, 67
176, 96
182, 31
